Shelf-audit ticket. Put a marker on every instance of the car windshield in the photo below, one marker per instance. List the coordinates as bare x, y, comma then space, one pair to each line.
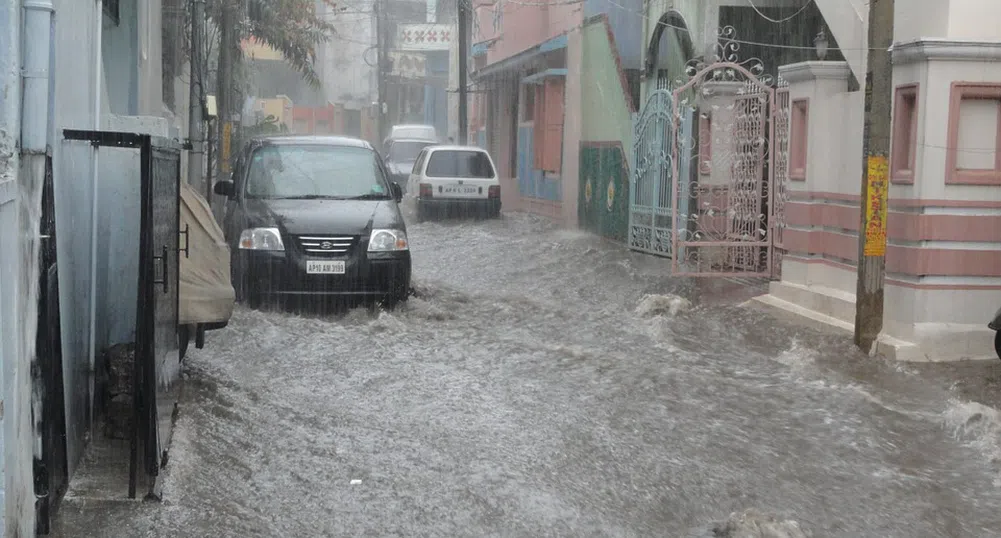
315, 171
406, 151
460, 163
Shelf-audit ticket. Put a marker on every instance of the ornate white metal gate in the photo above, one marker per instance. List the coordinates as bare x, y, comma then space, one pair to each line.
728, 200
711, 168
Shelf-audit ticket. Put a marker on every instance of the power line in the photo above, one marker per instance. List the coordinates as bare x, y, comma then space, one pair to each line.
787, 19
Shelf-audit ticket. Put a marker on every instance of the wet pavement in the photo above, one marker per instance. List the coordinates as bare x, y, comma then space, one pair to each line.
545, 383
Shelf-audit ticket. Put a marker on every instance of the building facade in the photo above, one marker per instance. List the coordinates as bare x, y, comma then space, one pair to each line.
111, 66
943, 254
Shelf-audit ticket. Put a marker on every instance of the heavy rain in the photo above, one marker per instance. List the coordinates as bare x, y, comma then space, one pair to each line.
668, 268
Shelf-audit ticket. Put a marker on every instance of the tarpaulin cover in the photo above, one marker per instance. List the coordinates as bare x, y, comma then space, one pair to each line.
206, 291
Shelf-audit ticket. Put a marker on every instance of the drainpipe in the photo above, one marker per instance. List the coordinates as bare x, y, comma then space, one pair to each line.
36, 86
92, 327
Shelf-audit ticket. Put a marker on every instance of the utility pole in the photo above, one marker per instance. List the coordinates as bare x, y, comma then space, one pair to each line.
875, 177
463, 17
225, 77
380, 37
195, 108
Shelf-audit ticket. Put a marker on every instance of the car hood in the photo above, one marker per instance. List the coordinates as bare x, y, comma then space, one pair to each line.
347, 217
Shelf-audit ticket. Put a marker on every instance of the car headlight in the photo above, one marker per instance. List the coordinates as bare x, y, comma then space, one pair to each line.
261, 239
388, 241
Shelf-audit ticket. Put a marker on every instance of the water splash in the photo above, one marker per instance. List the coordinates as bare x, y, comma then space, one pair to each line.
754, 524
977, 426
652, 305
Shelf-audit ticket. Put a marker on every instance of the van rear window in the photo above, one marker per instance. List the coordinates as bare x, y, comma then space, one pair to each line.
460, 163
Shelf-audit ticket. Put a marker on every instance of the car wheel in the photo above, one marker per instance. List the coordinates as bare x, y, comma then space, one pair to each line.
997, 343
183, 339
422, 212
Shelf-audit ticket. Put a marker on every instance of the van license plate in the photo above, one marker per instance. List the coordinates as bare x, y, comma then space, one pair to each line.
324, 267
457, 189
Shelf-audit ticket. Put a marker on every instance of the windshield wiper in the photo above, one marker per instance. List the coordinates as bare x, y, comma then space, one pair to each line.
369, 196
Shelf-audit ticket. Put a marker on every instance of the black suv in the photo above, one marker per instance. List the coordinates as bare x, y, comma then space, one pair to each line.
312, 216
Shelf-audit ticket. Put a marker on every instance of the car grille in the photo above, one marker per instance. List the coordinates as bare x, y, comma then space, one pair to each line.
327, 245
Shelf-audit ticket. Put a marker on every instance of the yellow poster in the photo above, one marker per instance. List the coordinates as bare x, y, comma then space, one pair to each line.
227, 136
875, 206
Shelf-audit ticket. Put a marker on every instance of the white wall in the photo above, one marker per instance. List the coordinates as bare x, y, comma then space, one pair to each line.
14, 454
346, 76
76, 70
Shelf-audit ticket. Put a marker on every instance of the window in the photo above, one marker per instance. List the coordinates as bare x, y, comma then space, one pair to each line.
548, 129
419, 162
705, 143
799, 130
973, 148
905, 130
460, 164
305, 172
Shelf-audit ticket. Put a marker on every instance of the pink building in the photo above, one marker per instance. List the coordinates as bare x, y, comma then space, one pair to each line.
519, 101
943, 254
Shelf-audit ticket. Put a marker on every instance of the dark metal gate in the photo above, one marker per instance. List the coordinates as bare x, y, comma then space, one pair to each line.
51, 466
157, 362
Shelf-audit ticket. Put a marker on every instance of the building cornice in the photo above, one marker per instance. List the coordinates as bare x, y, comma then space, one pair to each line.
816, 70
926, 49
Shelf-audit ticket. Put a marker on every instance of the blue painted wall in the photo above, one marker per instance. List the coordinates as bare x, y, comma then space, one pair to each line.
532, 182
626, 19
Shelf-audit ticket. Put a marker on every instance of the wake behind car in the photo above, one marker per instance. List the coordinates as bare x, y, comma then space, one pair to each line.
461, 178
315, 217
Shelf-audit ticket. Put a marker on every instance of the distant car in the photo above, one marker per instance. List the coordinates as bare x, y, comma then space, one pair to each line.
311, 217
446, 178
205, 291
412, 132
400, 158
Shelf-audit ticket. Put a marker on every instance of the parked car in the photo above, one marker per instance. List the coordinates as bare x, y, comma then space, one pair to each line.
400, 158
411, 132
205, 291
446, 178
312, 217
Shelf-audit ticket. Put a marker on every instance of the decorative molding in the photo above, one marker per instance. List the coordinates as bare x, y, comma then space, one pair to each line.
927, 49
815, 70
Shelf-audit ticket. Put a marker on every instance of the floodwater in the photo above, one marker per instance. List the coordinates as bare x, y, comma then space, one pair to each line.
544, 383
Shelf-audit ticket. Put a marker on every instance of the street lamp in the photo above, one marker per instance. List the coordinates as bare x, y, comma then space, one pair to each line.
820, 43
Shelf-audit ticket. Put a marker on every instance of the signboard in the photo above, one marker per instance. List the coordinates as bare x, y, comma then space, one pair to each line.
424, 37
408, 64
875, 207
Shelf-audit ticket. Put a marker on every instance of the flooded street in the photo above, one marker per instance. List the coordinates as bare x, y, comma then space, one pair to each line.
534, 388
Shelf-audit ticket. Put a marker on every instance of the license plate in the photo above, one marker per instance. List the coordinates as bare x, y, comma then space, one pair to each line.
460, 189
324, 267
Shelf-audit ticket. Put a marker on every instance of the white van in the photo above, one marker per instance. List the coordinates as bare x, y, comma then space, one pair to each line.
413, 132
454, 177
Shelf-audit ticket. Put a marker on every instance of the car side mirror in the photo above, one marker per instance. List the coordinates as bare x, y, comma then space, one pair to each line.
225, 188
396, 190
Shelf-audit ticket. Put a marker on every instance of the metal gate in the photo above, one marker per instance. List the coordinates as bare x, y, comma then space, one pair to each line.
651, 213
709, 193
51, 464
157, 361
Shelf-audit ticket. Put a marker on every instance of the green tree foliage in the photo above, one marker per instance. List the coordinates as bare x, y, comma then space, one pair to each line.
291, 27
